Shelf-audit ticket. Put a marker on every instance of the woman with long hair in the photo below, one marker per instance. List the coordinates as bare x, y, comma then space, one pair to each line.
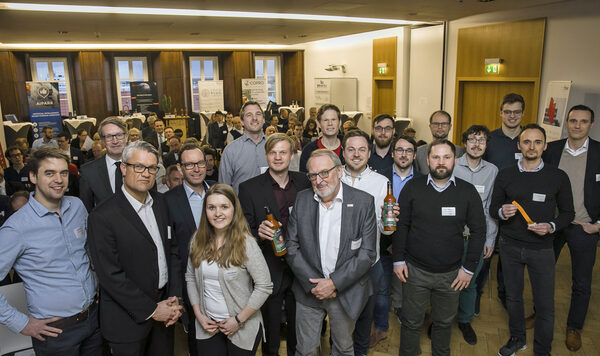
310, 132
227, 278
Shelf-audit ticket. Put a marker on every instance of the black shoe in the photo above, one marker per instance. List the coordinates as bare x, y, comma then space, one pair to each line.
398, 313
429, 331
512, 346
468, 333
477, 305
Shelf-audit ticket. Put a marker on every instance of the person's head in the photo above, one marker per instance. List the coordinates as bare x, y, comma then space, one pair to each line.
475, 140
139, 167
580, 120
311, 125
178, 133
211, 157
98, 149
440, 158
532, 142
50, 174
324, 172
169, 132
404, 151
174, 143
253, 117
298, 131
410, 132
82, 136
23, 145
151, 119
229, 119
191, 140
440, 124
296, 142
237, 122
292, 116
356, 150
174, 176
270, 130
274, 120
511, 110
279, 150
113, 134
96, 137
383, 130
348, 125
159, 126
192, 164
63, 140
223, 217
284, 113
134, 134
47, 132
219, 117
14, 155
329, 120
312, 112
19, 199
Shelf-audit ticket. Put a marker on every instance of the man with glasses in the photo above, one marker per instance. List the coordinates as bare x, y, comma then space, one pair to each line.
331, 248
136, 259
18, 172
73, 153
244, 158
101, 178
185, 209
277, 189
440, 124
329, 120
383, 133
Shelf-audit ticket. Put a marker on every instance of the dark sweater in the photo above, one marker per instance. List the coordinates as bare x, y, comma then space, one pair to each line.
549, 184
434, 242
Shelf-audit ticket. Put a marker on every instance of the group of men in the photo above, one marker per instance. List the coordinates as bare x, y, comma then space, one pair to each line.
340, 262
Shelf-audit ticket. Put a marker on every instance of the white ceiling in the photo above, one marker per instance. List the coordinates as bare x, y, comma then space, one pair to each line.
44, 27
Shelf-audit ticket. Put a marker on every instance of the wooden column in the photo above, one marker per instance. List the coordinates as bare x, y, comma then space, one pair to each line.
94, 89
13, 95
237, 65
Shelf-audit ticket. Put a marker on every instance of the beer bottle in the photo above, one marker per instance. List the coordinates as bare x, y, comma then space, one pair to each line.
389, 221
278, 243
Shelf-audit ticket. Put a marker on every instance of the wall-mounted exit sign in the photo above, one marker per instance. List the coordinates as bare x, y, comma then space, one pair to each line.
492, 68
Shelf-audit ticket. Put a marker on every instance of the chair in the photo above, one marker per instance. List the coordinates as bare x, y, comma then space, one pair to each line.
9, 341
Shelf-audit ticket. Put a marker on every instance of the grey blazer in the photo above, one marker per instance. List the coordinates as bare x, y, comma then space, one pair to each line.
356, 253
248, 285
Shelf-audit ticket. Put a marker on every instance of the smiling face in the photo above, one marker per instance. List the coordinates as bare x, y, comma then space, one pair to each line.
114, 145
511, 114
253, 119
51, 180
325, 188
63, 143
403, 154
194, 177
476, 145
279, 157
356, 154
219, 211
330, 123
579, 124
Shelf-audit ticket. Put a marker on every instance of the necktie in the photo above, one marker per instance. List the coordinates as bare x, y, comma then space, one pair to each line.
118, 176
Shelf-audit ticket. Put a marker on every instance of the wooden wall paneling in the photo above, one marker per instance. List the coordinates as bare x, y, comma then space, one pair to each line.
13, 95
384, 84
93, 84
172, 78
292, 78
237, 65
385, 51
227, 75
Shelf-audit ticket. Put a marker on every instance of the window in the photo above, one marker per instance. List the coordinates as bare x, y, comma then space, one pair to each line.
201, 69
269, 67
129, 69
54, 69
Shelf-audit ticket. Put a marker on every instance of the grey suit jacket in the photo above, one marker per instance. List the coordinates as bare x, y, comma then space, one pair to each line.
421, 159
356, 252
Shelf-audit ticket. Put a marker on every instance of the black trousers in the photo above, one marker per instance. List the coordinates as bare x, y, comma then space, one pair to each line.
220, 345
272, 311
583, 256
158, 342
540, 266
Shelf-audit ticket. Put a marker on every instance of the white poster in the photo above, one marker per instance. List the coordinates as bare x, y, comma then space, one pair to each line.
552, 116
255, 90
322, 91
211, 95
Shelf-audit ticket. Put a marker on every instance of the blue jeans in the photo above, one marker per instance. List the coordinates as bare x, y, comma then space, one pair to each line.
382, 294
362, 328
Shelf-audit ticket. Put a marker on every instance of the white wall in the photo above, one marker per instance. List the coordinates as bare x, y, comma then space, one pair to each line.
571, 49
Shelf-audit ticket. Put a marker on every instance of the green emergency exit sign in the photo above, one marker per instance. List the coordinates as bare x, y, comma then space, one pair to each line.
492, 68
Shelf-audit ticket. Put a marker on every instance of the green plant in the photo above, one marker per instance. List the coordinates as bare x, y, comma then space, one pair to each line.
165, 104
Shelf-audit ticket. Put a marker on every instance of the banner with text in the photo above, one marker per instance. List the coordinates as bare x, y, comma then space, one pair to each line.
144, 97
44, 107
211, 95
552, 117
255, 90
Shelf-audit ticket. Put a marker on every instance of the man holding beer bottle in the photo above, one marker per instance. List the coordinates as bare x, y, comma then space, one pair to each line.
276, 190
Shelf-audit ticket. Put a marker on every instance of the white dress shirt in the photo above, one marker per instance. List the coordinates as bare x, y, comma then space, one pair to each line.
146, 213
330, 228
110, 166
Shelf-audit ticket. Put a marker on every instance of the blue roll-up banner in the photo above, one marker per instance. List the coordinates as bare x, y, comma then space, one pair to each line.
44, 107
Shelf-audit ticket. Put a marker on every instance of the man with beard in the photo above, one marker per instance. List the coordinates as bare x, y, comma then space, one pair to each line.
244, 158
526, 236
472, 168
440, 125
383, 131
330, 123
429, 243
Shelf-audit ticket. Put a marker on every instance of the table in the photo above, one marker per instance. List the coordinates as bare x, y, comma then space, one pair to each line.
74, 125
178, 122
292, 109
14, 131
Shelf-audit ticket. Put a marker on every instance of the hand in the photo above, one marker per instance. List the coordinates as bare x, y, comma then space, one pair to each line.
265, 230
175, 304
588, 227
38, 327
540, 228
487, 252
509, 210
229, 326
401, 272
396, 211
209, 325
324, 288
164, 312
462, 280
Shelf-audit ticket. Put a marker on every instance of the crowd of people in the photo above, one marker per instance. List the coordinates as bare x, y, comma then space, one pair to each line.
278, 221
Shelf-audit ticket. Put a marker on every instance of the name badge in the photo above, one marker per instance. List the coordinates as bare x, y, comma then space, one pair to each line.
290, 209
480, 189
539, 197
518, 156
24, 179
597, 177
224, 131
448, 211
168, 232
355, 244
79, 232
75, 158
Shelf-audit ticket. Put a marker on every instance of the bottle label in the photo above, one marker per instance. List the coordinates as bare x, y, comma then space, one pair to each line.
278, 240
388, 215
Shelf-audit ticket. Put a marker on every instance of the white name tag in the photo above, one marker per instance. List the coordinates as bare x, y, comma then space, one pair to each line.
480, 189
79, 232
597, 177
518, 156
355, 244
448, 211
539, 197
24, 179
75, 158
168, 232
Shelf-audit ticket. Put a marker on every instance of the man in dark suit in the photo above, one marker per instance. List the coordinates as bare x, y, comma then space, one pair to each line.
157, 137
576, 154
99, 178
185, 209
217, 132
136, 260
331, 238
75, 155
277, 189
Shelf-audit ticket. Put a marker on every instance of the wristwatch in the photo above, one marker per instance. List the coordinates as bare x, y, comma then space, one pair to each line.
238, 321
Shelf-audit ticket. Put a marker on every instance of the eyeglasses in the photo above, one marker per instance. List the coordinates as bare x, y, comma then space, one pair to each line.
512, 112
118, 136
323, 174
188, 166
15, 155
480, 140
379, 129
140, 168
400, 150
440, 124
